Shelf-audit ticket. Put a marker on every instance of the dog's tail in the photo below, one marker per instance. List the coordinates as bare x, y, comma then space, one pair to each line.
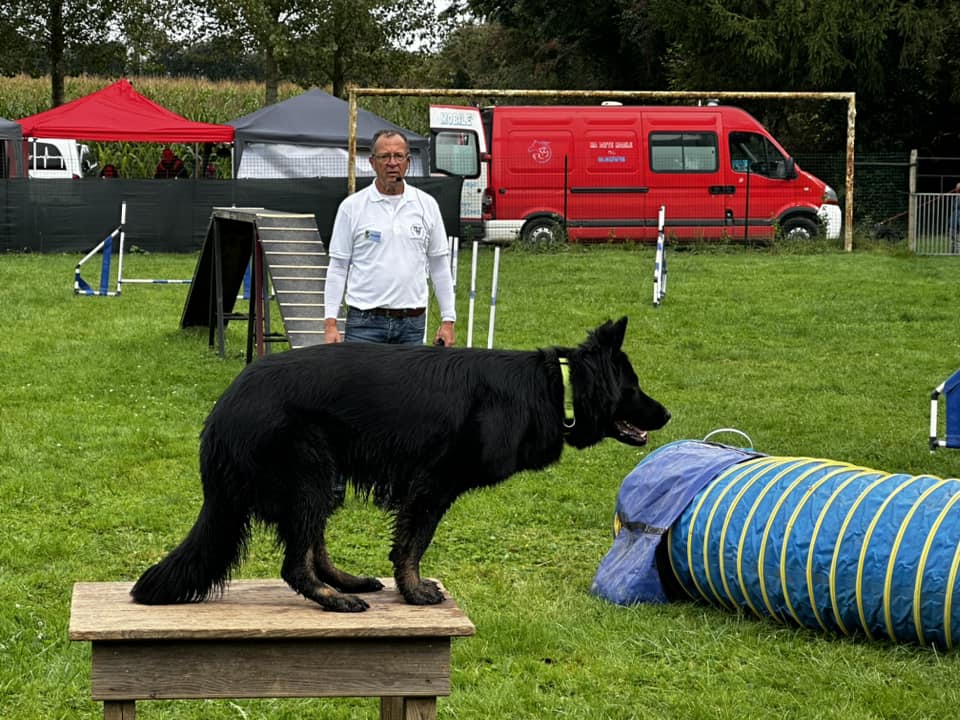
200, 566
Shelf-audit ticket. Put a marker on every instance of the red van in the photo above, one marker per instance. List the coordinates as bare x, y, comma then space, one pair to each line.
603, 172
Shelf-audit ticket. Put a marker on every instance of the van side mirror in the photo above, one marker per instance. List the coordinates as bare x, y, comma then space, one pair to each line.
790, 169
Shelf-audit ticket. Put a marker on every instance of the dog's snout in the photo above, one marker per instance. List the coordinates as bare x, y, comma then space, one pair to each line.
665, 416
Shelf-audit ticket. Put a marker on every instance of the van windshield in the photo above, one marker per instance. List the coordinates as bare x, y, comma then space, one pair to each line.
754, 152
456, 153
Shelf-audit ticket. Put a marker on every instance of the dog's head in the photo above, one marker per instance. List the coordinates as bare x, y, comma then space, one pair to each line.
607, 398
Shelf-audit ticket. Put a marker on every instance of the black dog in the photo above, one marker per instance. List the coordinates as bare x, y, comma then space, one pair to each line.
414, 426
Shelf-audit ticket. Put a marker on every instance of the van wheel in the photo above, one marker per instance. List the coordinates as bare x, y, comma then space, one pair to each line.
799, 228
542, 232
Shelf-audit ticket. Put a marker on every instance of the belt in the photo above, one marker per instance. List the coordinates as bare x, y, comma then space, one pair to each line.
394, 312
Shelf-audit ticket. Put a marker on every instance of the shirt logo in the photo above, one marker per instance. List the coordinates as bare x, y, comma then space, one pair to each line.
372, 235
417, 230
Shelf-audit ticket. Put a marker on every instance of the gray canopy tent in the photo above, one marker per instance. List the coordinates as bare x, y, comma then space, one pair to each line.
11, 149
306, 136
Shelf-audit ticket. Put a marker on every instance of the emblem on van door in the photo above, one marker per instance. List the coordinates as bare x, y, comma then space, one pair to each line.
540, 151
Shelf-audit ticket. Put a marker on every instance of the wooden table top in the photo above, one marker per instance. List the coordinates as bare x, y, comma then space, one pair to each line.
255, 609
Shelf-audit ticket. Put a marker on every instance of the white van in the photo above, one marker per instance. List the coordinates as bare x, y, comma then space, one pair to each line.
58, 158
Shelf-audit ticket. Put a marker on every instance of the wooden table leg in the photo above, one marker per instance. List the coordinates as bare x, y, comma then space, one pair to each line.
408, 708
119, 709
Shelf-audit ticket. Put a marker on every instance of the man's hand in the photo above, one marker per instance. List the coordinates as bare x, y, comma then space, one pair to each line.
331, 334
446, 333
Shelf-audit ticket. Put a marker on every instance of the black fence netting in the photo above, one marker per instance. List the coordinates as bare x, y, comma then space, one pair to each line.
65, 216
881, 184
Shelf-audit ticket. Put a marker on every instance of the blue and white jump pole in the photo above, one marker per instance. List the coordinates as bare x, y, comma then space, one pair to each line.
80, 286
106, 246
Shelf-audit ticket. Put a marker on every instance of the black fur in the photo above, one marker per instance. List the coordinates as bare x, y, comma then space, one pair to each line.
415, 427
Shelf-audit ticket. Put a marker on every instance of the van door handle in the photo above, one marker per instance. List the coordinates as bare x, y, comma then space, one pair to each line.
502, 191
723, 189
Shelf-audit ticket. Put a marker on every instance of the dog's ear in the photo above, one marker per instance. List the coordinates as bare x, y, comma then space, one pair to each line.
611, 334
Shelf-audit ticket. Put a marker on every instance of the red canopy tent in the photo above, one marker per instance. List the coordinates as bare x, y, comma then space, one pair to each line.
120, 113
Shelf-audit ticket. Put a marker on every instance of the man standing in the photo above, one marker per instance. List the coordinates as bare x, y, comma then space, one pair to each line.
385, 240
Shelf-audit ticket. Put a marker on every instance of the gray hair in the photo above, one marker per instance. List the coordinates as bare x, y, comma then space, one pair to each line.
388, 132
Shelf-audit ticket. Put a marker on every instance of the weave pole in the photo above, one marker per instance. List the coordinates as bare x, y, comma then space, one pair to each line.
454, 261
473, 293
660, 262
453, 245
493, 295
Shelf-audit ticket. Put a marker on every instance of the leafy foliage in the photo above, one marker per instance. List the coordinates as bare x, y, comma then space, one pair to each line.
57, 26
330, 42
897, 57
577, 44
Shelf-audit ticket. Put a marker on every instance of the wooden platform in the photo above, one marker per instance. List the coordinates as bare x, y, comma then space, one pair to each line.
263, 640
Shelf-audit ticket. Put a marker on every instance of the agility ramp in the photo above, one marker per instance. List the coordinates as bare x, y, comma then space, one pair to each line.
804, 541
289, 263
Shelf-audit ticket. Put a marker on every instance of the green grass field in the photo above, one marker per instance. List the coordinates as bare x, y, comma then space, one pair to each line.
822, 354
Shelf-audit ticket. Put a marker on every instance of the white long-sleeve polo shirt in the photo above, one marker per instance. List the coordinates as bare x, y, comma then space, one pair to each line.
391, 242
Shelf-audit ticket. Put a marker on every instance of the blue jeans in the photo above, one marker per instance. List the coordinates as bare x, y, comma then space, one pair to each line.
364, 326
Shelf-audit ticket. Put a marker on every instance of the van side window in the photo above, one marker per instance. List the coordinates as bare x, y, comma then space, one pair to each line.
754, 152
45, 156
674, 152
456, 153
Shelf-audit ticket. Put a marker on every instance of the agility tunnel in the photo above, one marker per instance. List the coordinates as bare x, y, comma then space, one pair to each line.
816, 543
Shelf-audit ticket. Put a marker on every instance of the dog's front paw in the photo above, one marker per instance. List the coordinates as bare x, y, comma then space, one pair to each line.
426, 592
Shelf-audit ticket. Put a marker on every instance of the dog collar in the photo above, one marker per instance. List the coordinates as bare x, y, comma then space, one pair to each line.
568, 419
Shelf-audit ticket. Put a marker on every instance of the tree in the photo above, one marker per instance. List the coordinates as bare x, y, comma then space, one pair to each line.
579, 43
318, 42
898, 57
20, 54
218, 58
491, 55
151, 27
57, 26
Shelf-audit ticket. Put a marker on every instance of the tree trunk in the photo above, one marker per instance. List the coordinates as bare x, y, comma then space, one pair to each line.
338, 75
56, 52
271, 76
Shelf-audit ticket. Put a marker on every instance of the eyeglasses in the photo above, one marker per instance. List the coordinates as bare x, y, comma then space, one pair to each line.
396, 157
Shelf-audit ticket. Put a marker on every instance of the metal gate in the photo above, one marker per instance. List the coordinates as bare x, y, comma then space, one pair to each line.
934, 212
936, 223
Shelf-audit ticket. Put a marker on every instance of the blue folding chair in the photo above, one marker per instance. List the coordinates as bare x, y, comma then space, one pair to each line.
951, 395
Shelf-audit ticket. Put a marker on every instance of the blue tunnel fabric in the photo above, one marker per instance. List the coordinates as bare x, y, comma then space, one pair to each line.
650, 500
819, 543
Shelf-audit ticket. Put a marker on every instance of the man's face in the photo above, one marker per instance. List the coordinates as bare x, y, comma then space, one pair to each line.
390, 161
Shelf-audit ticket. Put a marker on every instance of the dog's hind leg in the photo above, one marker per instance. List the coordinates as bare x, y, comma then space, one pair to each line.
414, 526
329, 573
308, 477
299, 571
